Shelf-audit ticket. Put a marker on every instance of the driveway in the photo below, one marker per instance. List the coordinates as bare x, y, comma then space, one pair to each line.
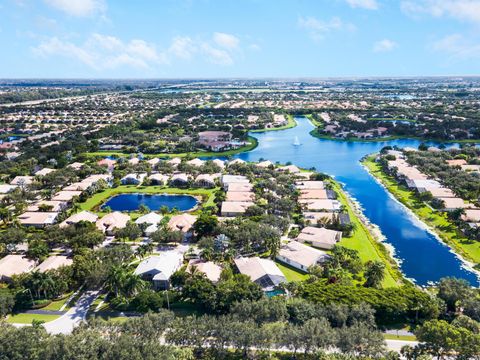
73, 317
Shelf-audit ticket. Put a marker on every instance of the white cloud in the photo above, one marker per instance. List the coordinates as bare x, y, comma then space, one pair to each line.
182, 47
458, 47
79, 8
364, 4
255, 47
384, 45
104, 52
101, 52
464, 10
217, 56
227, 41
318, 29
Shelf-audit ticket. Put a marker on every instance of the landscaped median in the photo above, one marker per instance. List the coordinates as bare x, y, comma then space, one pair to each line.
436, 220
369, 248
253, 143
94, 202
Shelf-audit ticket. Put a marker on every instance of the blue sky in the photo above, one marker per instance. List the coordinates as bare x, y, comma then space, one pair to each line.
238, 38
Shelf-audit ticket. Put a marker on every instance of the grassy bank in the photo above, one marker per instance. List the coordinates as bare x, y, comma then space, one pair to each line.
27, 318
367, 246
93, 203
291, 124
436, 220
316, 134
253, 144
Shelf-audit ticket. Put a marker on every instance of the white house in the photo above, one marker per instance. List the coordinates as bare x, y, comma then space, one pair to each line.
159, 269
264, 272
319, 237
133, 179
300, 256
151, 219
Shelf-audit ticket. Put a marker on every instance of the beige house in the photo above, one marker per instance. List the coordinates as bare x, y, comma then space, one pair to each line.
264, 272
12, 265
300, 256
81, 216
112, 221
235, 208
319, 237
183, 223
53, 263
37, 219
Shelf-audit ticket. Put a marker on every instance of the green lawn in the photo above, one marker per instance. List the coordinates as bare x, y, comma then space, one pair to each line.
399, 337
25, 318
291, 124
253, 144
96, 200
437, 220
57, 305
290, 273
391, 119
368, 248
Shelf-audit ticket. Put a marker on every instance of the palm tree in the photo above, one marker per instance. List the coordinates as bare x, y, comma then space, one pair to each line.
133, 284
374, 273
115, 280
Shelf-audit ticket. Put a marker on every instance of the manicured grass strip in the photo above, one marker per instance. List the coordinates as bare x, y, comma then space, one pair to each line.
96, 200
56, 305
26, 318
253, 144
436, 220
290, 273
368, 248
291, 124
391, 119
399, 337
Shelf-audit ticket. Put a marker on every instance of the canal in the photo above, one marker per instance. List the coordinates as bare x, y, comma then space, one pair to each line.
423, 257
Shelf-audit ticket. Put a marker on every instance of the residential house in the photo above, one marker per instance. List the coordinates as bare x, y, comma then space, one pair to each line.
264, 272
184, 223
12, 265
84, 215
319, 237
37, 219
54, 262
133, 178
159, 269
300, 256
235, 208
112, 221
211, 270
151, 220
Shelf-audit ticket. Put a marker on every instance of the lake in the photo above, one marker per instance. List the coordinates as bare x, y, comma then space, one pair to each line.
132, 202
423, 257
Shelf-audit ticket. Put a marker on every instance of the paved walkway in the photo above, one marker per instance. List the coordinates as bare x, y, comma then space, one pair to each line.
73, 317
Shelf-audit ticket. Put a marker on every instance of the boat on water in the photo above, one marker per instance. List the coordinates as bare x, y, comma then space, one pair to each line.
296, 142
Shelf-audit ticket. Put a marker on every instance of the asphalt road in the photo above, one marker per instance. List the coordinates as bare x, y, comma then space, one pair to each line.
73, 317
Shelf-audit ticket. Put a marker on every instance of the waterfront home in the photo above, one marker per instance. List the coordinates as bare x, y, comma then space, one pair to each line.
183, 223
180, 179
158, 179
423, 185
205, 180
321, 205
133, 178
300, 256
153, 162
134, 161
175, 161
235, 208
151, 220
37, 219
265, 164
264, 272
293, 169
456, 162
214, 140
54, 262
451, 204
310, 185
108, 163
112, 221
319, 237
314, 218
211, 270
86, 216
236, 161
471, 216
66, 196
316, 194
22, 180
159, 269
441, 192
12, 265
196, 162
219, 163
